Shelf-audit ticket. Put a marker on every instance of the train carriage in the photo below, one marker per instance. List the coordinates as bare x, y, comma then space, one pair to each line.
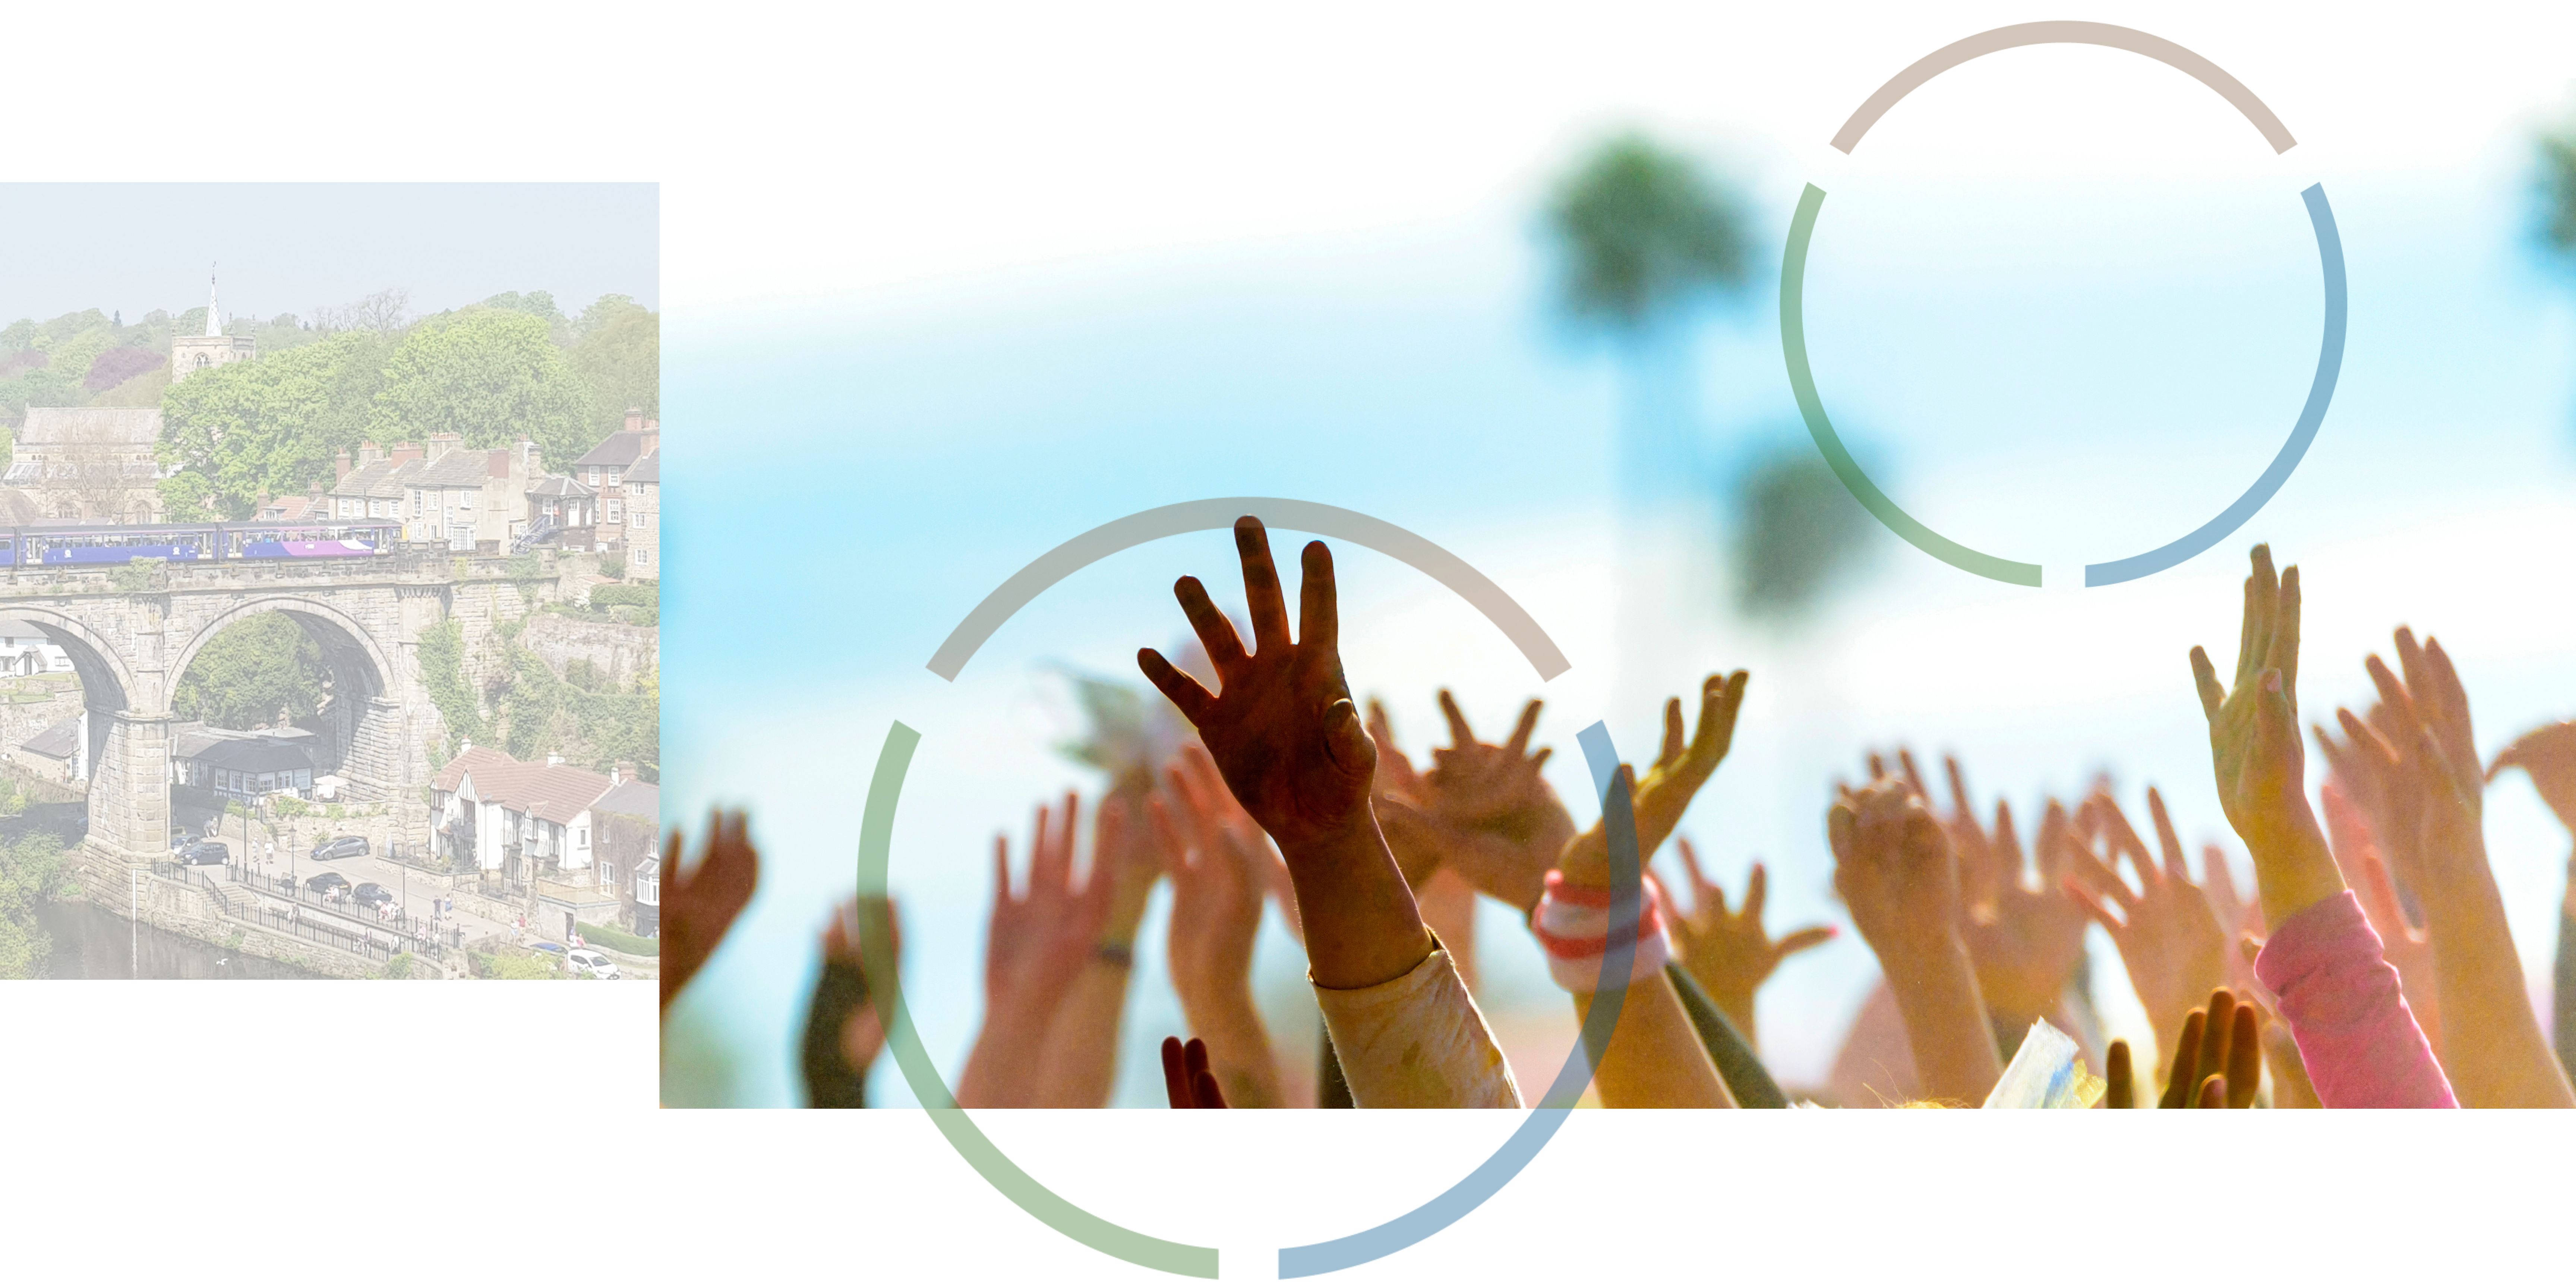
86, 544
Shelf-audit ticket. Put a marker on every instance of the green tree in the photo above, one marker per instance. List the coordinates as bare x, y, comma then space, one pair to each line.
489, 375
619, 357
274, 426
32, 873
250, 671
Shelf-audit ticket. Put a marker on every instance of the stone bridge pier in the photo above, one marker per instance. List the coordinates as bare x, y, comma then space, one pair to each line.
131, 633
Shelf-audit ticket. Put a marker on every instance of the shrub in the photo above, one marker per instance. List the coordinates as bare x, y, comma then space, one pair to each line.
116, 366
637, 596
612, 937
612, 566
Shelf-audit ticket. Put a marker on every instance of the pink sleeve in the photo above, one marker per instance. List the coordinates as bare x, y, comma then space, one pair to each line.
2360, 1043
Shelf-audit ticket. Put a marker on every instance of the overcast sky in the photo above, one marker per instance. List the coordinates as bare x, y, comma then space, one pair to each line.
289, 247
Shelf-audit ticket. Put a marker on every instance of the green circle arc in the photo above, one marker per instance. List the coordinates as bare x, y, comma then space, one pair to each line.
876, 836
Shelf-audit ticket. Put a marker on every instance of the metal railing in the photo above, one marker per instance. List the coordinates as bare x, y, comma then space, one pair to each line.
380, 942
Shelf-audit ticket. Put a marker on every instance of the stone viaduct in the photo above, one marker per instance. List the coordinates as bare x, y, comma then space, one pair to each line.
131, 632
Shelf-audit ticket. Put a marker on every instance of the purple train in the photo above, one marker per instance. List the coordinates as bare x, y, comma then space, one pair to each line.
81, 543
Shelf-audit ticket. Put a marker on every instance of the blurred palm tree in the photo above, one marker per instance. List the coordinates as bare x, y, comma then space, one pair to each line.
2558, 188
1647, 241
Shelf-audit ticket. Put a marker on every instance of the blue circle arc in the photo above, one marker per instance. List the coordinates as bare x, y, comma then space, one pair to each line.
2320, 394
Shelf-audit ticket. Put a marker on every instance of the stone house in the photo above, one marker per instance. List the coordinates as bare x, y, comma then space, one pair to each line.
92, 464
629, 818
604, 468
561, 508
60, 754
644, 517
442, 493
525, 821
27, 650
242, 766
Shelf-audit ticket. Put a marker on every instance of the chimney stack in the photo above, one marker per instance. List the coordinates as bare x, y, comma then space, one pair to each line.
441, 444
342, 465
405, 452
634, 418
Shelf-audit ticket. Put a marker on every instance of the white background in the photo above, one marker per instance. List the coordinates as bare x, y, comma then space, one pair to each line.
175, 1132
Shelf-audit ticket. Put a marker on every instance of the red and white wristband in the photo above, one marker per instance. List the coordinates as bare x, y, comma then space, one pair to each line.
1573, 923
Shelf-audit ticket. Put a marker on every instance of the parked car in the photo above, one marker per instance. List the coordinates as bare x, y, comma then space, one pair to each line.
549, 946
339, 847
591, 962
371, 895
206, 853
329, 885
180, 839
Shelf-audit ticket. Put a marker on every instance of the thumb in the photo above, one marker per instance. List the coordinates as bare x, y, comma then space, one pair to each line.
1346, 741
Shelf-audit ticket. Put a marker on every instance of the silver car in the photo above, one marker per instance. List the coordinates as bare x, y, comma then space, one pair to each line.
591, 962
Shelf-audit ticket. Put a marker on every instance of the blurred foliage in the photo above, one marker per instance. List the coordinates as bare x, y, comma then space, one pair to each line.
251, 672
1115, 737
33, 870
1644, 232
1799, 532
2558, 188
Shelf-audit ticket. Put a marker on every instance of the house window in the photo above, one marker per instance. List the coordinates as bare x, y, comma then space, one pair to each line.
582, 837
613, 512
594, 476
615, 477
415, 503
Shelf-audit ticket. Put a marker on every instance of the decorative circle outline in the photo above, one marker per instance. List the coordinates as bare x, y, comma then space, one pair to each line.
1793, 336
876, 831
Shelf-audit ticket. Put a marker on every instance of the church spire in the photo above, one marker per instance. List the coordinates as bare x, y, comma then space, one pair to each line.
214, 315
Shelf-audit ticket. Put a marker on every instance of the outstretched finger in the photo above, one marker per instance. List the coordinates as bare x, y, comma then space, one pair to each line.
2167, 839
1461, 736
1261, 591
1704, 892
2119, 1077
1757, 891
1216, 634
1176, 1078
1318, 603
2094, 908
2204, 679
1673, 737
2244, 1059
2213, 1092
2182, 1074
1721, 699
1518, 746
2284, 653
1913, 776
1184, 691
1804, 938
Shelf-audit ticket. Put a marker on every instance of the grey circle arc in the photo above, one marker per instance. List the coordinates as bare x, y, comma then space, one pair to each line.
1221, 512
2329, 252
1601, 757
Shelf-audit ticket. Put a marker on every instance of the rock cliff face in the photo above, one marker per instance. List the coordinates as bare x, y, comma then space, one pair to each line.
621, 652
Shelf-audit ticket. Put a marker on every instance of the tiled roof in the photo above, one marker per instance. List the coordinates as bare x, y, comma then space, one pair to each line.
634, 798
558, 485
647, 470
57, 741
619, 450
131, 428
555, 793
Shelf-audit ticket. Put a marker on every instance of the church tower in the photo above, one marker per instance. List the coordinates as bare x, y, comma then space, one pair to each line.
190, 354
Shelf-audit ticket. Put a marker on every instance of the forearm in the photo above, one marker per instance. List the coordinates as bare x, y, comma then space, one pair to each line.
1238, 1046
1448, 906
1002, 1070
2492, 1044
1078, 1059
2294, 869
1946, 1023
1417, 1042
1362, 927
1654, 1059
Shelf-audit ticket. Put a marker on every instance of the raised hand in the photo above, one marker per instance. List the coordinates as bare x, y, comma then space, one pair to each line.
2168, 934
699, 905
2219, 1060
1485, 811
1287, 739
1730, 953
1034, 946
2255, 749
1187, 1080
844, 1028
1897, 876
1681, 768
1215, 860
2402, 943
2424, 758
2548, 754
2024, 939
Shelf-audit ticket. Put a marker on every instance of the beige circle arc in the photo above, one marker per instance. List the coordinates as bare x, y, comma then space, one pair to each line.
2064, 33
